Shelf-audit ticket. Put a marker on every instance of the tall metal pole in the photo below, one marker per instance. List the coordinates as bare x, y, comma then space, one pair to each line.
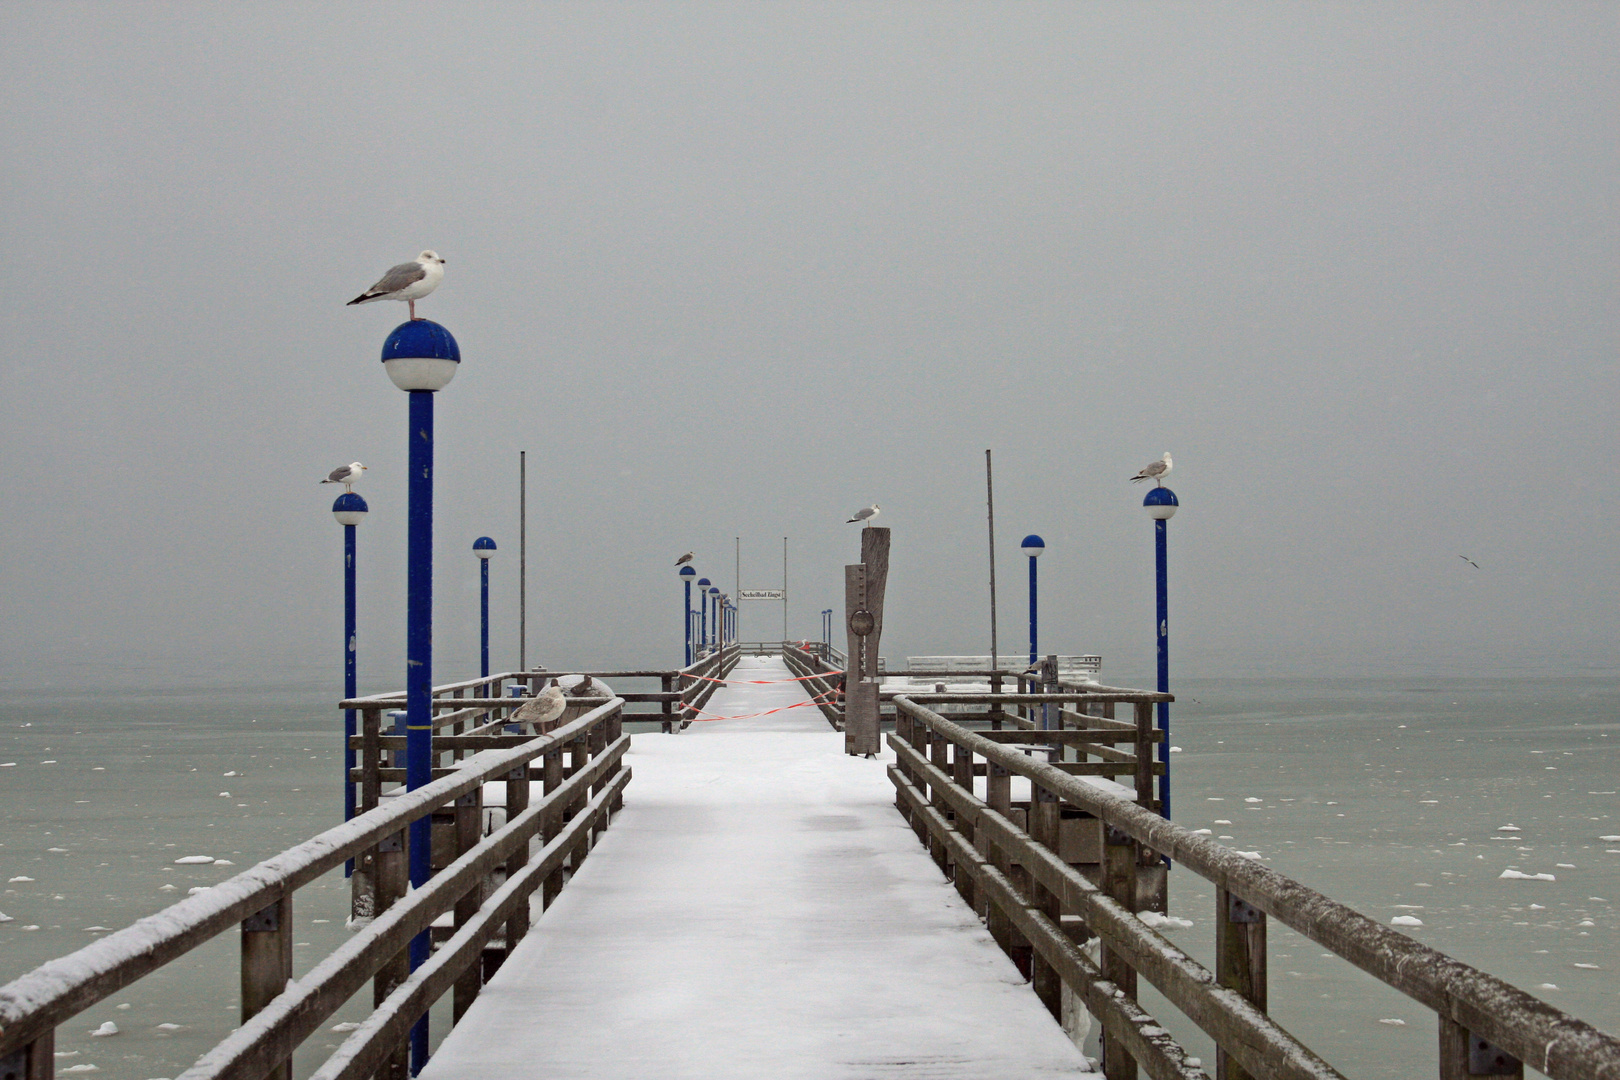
1161, 504
687, 581
784, 588
349, 510
483, 612
990, 505
1033, 648
523, 561
736, 580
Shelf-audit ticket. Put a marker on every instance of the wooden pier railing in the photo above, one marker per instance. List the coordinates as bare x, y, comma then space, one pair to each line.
1066, 865
823, 678
579, 796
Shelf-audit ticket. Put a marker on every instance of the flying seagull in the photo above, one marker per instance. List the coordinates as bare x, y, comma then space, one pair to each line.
408, 281
1155, 471
347, 475
542, 709
684, 559
1469, 561
864, 515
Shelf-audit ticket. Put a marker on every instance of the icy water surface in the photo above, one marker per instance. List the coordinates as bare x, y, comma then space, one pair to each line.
1391, 796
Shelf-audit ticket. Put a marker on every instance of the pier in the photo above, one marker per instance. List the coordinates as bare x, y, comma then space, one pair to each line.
707, 877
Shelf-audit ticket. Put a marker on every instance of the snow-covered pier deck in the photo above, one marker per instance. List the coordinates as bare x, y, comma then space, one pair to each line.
757, 909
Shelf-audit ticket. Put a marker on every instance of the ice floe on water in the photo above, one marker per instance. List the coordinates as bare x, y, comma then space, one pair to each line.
1154, 919
1509, 827
1588, 967
350, 1025
168, 1027
20, 877
1516, 875
6, 918
193, 860
83, 1067
1610, 839
1406, 920
223, 862
231, 773
106, 1029
1546, 986
1393, 1021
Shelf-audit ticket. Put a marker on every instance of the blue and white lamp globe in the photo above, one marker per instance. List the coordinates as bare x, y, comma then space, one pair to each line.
350, 509
714, 590
1033, 546
703, 584
483, 547
1160, 504
687, 573
421, 355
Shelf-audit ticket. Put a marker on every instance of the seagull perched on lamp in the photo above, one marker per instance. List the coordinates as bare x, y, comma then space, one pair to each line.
684, 559
1155, 471
408, 282
347, 475
865, 515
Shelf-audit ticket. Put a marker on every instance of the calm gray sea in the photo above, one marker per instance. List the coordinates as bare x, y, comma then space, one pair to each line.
1399, 797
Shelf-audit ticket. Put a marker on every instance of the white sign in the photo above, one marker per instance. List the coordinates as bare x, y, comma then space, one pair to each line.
764, 594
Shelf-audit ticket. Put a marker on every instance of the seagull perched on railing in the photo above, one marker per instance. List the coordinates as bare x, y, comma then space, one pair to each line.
347, 475
1155, 471
542, 709
408, 282
684, 559
864, 515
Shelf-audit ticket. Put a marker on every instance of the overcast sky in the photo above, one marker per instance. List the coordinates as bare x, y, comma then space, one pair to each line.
737, 270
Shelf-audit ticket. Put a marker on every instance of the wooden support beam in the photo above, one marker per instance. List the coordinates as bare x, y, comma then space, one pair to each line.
469, 827
1240, 964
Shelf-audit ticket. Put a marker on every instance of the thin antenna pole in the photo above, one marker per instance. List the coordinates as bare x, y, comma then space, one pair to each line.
523, 560
990, 503
736, 592
784, 588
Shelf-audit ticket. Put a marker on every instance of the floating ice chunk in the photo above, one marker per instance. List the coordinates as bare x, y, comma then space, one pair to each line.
8, 764
320, 920
1202, 832
67, 1053
1406, 920
193, 860
6, 918
1392, 1021
1515, 875
1586, 922
224, 794
1222, 821
97, 929
1588, 967
1251, 798
21, 877
109, 1028
231, 773
98, 768
197, 889
1546, 986
125, 1005
57, 850
347, 1025
165, 888
52, 761
168, 1027
1610, 839
1510, 827
33, 927
1565, 865
82, 1067
223, 862
1538, 907
1248, 854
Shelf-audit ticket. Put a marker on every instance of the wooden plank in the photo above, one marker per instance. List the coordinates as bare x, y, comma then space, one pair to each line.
1240, 964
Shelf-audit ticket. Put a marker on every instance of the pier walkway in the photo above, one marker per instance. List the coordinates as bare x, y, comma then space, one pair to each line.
757, 909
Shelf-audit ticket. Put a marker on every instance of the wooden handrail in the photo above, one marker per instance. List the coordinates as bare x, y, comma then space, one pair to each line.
1556, 1043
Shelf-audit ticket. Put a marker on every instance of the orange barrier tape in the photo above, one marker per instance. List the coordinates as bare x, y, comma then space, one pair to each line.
710, 717
762, 682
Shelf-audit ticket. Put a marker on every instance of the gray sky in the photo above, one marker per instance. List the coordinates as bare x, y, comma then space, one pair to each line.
737, 270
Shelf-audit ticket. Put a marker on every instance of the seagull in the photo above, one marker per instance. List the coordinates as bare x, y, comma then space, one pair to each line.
684, 559
864, 515
1155, 471
542, 709
408, 282
1469, 561
347, 475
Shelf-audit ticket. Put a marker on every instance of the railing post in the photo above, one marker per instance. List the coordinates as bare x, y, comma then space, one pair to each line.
469, 826
667, 681
551, 824
36, 1061
1240, 963
363, 882
1464, 1055
962, 777
1144, 754
517, 801
391, 878
267, 964
1044, 812
1119, 881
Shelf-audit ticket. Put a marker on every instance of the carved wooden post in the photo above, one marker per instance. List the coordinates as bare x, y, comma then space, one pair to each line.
1240, 963
267, 963
858, 705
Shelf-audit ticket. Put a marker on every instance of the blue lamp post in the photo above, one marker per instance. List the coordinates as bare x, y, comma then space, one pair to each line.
714, 604
1032, 546
686, 578
1161, 506
349, 510
483, 547
703, 617
421, 357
